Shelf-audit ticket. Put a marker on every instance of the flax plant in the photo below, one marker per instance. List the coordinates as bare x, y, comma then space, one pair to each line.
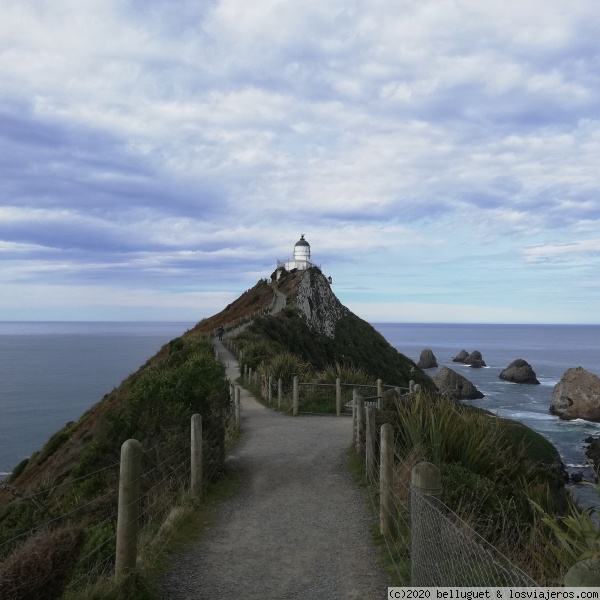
346, 373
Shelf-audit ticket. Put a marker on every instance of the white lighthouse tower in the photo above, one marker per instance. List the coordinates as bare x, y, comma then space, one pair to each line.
301, 260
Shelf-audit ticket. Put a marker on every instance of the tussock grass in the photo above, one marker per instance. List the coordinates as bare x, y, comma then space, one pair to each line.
491, 469
346, 373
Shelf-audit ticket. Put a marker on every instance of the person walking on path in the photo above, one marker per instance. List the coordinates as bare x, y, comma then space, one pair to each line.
299, 529
220, 332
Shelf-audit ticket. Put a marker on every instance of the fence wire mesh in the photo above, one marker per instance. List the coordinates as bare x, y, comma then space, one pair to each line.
445, 551
428, 544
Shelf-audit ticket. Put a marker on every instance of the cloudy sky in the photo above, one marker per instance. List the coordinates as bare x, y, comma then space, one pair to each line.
442, 157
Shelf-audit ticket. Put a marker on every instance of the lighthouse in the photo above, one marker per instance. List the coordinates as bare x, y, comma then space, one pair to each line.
301, 260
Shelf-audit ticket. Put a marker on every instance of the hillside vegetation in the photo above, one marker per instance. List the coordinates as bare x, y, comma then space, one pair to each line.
69, 489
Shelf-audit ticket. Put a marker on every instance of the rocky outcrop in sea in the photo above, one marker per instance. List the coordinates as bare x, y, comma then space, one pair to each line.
577, 396
453, 385
519, 371
593, 451
427, 360
461, 356
474, 359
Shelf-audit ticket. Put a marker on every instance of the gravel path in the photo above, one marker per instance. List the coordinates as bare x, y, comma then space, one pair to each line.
298, 530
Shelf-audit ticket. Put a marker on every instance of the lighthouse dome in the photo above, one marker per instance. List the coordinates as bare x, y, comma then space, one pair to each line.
302, 249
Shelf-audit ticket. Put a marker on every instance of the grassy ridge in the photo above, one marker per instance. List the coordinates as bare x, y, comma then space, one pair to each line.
73, 480
356, 344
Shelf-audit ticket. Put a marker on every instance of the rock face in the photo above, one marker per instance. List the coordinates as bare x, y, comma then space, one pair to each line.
319, 305
519, 371
593, 451
577, 396
475, 360
453, 385
461, 356
427, 359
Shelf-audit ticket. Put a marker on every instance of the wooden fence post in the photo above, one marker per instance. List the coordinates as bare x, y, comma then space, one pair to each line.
354, 393
238, 407
270, 389
379, 394
296, 397
196, 483
360, 411
279, 392
338, 397
585, 573
128, 515
370, 462
386, 480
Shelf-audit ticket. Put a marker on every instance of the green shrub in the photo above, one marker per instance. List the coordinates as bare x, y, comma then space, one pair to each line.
576, 534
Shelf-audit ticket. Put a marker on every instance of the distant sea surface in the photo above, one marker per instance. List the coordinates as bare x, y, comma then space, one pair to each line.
51, 373
549, 349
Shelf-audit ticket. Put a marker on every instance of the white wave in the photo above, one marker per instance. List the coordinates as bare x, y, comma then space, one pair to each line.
577, 466
584, 422
549, 382
534, 416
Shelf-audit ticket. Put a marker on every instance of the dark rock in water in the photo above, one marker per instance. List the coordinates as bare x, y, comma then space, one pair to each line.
593, 451
427, 359
576, 477
475, 360
453, 385
461, 356
577, 396
519, 371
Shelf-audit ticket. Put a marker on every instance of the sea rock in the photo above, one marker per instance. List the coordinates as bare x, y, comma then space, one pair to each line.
461, 356
475, 360
519, 371
577, 396
453, 385
593, 451
427, 359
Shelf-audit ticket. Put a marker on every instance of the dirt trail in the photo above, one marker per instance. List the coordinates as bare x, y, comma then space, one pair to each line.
298, 530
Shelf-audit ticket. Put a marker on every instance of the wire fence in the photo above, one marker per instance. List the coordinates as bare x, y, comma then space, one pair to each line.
79, 537
293, 396
427, 543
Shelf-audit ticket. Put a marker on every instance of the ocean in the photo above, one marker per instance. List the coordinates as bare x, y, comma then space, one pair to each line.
51, 373
549, 349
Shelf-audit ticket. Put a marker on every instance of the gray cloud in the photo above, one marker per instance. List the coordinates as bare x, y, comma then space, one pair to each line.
146, 146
